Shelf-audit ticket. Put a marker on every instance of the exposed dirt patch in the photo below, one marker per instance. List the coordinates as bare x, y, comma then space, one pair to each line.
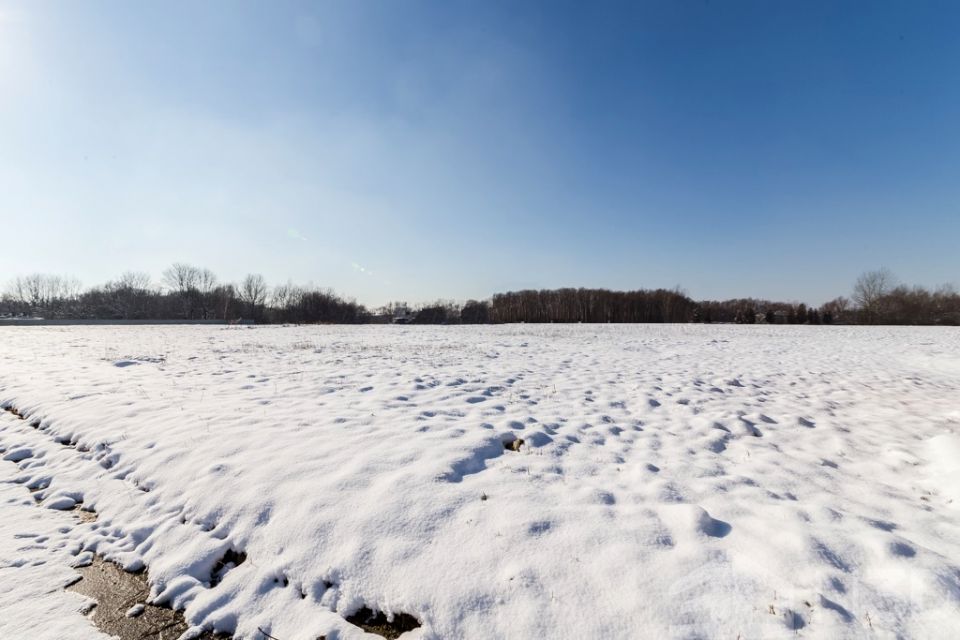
513, 445
118, 592
84, 515
230, 560
376, 622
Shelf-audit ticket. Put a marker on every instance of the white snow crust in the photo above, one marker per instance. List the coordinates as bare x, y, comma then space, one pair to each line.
672, 482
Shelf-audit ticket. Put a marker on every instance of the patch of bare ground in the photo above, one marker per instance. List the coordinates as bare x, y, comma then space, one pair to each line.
513, 444
84, 515
377, 622
121, 609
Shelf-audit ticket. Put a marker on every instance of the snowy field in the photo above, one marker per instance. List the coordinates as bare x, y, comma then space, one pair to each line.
493, 482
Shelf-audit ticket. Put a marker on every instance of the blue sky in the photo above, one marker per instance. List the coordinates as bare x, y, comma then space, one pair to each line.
404, 150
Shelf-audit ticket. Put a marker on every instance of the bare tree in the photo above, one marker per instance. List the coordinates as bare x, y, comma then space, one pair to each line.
206, 280
225, 301
40, 293
30, 289
134, 280
835, 310
869, 291
183, 280
840, 305
69, 288
180, 277
206, 283
282, 293
253, 293
129, 296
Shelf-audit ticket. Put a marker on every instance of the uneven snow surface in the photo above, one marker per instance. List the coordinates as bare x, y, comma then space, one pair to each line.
673, 481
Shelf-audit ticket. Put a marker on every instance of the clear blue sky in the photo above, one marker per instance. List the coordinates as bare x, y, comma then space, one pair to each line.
415, 150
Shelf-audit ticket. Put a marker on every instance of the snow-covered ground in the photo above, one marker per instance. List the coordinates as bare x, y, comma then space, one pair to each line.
673, 481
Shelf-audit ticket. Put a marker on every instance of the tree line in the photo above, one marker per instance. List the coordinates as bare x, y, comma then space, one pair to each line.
186, 292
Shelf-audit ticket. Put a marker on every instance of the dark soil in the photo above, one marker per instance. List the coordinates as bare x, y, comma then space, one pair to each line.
376, 622
116, 591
